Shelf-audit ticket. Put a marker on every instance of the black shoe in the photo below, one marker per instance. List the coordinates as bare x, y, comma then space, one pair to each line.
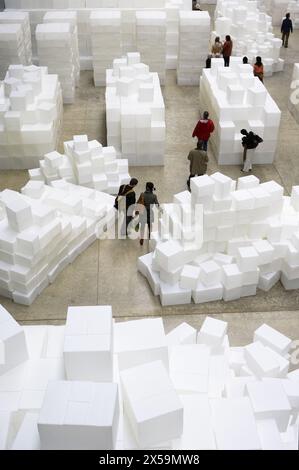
141, 242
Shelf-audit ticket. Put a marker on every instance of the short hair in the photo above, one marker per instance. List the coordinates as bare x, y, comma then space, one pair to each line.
243, 132
150, 186
133, 182
288, 15
227, 37
205, 115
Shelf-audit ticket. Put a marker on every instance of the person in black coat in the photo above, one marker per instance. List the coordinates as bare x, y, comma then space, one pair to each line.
286, 29
250, 142
125, 203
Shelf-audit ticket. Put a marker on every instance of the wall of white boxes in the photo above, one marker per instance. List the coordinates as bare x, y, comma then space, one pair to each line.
128, 385
278, 8
293, 103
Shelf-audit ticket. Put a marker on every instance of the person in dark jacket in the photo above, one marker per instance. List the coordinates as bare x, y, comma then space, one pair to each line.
286, 29
227, 50
250, 142
125, 203
198, 162
203, 130
146, 202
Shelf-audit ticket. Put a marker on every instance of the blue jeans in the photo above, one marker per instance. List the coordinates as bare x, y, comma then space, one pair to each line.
205, 145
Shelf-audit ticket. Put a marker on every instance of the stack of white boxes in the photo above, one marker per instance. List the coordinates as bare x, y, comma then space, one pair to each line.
30, 116
293, 9
151, 40
22, 18
277, 9
106, 41
201, 397
85, 164
194, 39
237, 100
44, 230
12, 48
56, 49
294, 96
257, 39
247, 239
135, 111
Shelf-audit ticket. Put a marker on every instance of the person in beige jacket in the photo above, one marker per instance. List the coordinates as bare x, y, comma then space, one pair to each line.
198, 162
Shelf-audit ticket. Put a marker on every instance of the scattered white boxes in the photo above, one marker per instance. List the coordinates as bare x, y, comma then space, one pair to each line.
194, 37
13, 342
85, 163
212, 332
253, 109
257, 39
79, 416
135, 112
151, 40
151, 404
293, 103
88, 344
31, 114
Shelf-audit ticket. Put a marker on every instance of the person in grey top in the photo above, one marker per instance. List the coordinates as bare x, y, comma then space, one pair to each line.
145, 205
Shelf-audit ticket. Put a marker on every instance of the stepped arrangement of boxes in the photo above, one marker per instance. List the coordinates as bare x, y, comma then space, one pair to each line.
293, 103
75, 386
30, 116
135, 111
194, 41
17, 51
57, 49
43, 230
257, 39
237, 100
151, 40
85, 163
223, 241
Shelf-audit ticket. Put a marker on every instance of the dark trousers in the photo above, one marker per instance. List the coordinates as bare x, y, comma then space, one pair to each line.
285, 38
226, 60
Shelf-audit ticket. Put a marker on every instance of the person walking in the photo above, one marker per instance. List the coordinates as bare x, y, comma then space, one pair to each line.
250, 142
203, 130
125, 203
217, 48
227, 50
145, 205
258, 69
198, 159
286, 29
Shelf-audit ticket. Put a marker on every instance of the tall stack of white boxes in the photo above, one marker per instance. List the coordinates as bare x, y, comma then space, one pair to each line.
257, 39
135, 112
22, 18
294, 94
151, 40
30, 116
106, 41
194, 39
277, 9
237, 100
12, 49
246, 239
293, 9
86, 164
43, 230
57, 48
79, 379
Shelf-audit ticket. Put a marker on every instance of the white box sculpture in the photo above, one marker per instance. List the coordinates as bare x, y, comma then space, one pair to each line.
43, 230
13, 342
277, 9
235, 100
135, 112
257, 39
293, 104
78, 416
248, 238
194, 40
30, 116
85, 163
88, 345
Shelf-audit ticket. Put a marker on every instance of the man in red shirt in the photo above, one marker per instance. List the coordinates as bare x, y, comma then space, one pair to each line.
203, 130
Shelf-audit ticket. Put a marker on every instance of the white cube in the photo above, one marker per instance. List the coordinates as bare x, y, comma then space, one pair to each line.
212, 332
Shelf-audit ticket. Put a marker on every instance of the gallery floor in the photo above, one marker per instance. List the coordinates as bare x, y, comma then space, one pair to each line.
106, 273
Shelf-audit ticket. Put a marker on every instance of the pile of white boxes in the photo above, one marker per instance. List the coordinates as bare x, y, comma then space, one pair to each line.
247, 237
195, 391
85, 164
278, 9
43, 230
294, 95
30, 116
257, 39
17, 51
194, 40
151, 40
293, 9
135, 111
236, 100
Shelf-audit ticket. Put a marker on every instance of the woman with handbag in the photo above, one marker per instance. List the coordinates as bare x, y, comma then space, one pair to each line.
145, 205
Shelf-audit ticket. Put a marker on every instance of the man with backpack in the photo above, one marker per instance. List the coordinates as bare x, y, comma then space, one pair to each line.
125, 203
250, 142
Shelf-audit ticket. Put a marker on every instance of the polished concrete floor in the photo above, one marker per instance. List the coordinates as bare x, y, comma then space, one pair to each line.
106, 273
